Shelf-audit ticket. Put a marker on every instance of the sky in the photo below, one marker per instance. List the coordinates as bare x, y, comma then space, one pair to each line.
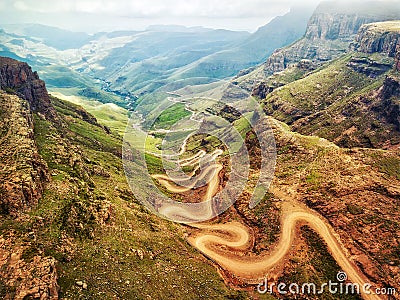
100, 15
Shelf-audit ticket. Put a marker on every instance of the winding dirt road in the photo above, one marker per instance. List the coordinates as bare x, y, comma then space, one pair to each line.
210, 173
252, 269
227, 244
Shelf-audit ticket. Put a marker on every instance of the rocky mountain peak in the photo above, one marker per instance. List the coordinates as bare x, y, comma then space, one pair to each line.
330, 30
18, 77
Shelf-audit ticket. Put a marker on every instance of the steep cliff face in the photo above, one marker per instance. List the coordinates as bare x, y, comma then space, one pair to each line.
23, 172
383, 37
397, 59
389, 104
333, 26
330, 31
18, 77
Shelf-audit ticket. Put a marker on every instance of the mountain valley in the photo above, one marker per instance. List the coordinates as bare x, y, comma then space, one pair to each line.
305, 110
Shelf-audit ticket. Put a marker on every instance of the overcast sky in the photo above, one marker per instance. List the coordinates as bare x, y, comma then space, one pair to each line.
96, 15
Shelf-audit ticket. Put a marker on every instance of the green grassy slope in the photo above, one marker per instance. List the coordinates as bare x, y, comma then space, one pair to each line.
339, 102
90, 222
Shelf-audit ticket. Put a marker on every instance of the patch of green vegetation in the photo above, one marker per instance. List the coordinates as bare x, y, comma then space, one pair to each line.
319, 268
9, 90
94, 137
322, 261
242, 126
355, 209
204, 142
107, 113
159, 136
292, 74
389, 165
314, 179
332, 96
96, 94
268, 219
324, 87
46, 143
154, 164
77, 217
170, 116
153, 144
283, 150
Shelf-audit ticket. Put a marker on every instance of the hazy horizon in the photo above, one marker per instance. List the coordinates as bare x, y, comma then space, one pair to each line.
93, 16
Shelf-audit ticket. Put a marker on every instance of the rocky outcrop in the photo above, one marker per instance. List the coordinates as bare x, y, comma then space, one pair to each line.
18, 77
369, 67
273, 82
389, 106
383, 37
25, 276
262, 90
23, 172
390, 88
340, 102
397, 59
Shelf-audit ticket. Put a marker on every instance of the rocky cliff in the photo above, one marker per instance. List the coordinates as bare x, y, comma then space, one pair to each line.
397, 59
330, 31
382, 37
18, 77
23, 172
389, 106
35, 138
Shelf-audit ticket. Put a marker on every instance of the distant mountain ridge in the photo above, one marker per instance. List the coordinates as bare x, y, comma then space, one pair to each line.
330, 30
134, 64
57, 38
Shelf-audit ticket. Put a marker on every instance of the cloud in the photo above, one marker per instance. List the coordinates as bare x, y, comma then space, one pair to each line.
160, 8
97, 15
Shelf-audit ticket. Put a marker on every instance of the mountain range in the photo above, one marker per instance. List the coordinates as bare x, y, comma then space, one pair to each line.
134, 64
329, 81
